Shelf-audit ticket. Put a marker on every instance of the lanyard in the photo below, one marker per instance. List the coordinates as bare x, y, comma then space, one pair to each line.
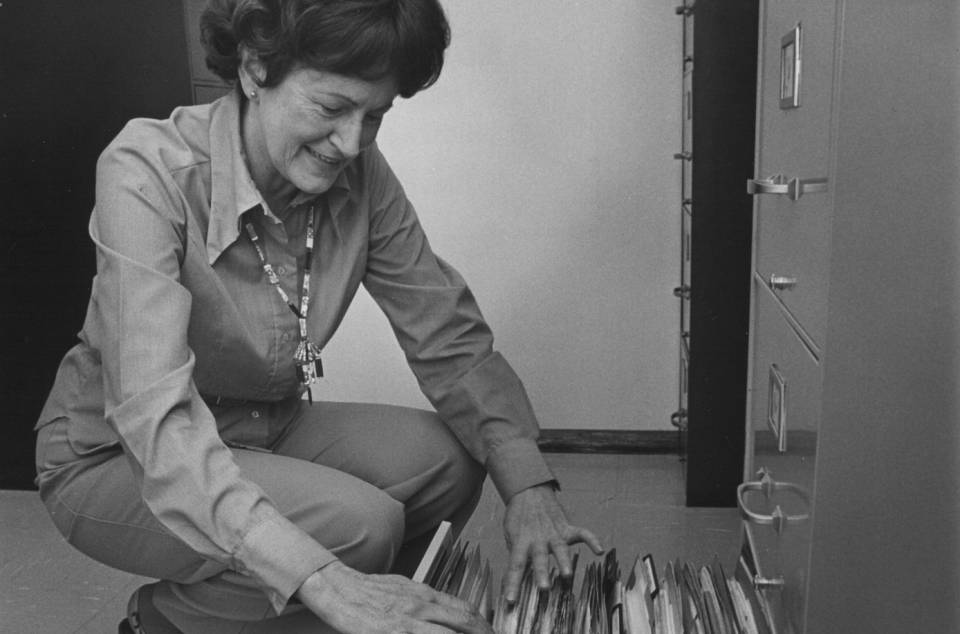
307, 356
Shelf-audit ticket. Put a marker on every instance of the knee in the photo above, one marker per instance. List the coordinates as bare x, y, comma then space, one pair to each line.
462, 479
368, 531
380, 536
468, 476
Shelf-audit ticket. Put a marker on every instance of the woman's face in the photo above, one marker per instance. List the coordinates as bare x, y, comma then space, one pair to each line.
305, 130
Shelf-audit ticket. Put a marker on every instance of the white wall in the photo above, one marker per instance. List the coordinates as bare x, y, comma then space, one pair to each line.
541, 167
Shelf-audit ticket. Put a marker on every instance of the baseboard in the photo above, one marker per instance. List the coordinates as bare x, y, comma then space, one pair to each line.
609, 441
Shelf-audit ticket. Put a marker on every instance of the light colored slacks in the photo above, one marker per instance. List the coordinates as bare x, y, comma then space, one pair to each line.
369, 482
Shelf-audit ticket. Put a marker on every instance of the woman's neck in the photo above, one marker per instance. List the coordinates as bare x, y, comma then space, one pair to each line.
275, 189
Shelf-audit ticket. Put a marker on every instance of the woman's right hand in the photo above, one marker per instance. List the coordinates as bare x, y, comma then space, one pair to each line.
356, 603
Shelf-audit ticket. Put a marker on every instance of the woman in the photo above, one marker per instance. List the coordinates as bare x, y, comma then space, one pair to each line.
181, 441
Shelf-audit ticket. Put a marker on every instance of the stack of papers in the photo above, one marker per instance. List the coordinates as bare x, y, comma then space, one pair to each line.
458, 569
679, 598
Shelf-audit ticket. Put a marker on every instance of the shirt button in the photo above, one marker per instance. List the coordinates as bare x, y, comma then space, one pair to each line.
255, 414
282, 270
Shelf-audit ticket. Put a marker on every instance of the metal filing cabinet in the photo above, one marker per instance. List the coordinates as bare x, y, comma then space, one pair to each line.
791, 254
850, 497
793, 229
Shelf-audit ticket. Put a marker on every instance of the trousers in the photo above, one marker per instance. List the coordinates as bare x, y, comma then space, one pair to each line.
369, 482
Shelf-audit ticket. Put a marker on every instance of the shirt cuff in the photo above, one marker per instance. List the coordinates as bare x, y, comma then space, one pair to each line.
516, 465
280, 557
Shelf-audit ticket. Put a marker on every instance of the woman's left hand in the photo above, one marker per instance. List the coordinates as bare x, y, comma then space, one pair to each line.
535, 525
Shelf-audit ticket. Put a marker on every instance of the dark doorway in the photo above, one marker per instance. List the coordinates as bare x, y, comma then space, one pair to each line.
74, 72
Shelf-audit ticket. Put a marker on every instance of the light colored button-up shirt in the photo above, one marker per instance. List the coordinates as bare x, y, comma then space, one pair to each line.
180, 314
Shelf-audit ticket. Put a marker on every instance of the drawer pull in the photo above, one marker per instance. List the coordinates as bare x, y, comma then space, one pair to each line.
683, 156
781, 282
684, 9
777, 407
679, 419
778, 519
763, 583
780, 185
683, 292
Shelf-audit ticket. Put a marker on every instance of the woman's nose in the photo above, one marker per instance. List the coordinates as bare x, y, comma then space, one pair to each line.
347, 137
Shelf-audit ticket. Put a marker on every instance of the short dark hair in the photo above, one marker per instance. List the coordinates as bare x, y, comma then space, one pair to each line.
369, 39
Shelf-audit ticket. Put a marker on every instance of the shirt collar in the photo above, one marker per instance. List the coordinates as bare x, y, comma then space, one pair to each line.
232, 190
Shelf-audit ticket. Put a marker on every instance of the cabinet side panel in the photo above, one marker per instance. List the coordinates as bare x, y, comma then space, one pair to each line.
885, 555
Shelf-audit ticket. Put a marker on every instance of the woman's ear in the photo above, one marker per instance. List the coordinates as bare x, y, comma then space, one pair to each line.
251, 72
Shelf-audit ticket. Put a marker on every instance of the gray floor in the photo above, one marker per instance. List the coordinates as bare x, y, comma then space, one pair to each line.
633, 503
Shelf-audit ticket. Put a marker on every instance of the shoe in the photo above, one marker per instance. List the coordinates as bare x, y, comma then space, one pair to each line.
142, 601
131, 624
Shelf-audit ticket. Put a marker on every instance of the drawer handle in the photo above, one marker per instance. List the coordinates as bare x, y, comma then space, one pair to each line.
683, 292
679, 419
778, 519
763, 583
777, 407
780, 185
781, 282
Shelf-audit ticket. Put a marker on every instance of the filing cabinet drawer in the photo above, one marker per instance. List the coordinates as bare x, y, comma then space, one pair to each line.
784, 421
792, 256
794, 141
785, 399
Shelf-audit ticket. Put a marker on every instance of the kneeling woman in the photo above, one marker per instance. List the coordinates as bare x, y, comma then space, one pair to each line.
179, 441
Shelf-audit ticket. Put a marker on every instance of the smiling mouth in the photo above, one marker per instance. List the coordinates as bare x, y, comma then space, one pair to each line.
320, 157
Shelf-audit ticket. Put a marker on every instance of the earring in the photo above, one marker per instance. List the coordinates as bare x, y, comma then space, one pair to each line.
253, 94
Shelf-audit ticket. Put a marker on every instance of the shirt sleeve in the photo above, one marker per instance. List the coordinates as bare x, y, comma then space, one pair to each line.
141, 311
447, 343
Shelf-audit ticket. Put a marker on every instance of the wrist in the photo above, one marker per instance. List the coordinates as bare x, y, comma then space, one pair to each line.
551, 486
318, 584
548, 488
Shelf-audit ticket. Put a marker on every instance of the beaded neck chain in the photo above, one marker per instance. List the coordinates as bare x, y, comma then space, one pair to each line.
307, 356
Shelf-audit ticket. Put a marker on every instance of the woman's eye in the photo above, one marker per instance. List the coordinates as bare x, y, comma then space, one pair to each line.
330, 111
